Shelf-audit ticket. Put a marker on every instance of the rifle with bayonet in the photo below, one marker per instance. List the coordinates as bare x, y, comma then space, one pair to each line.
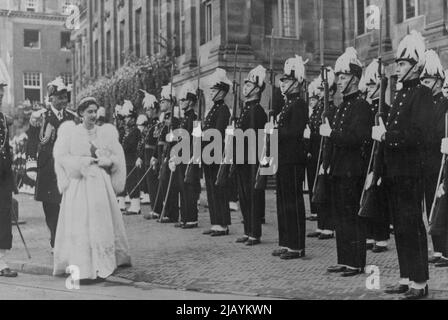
191, 167
261, 180
370, 200
224, 168
321, 183
240, 104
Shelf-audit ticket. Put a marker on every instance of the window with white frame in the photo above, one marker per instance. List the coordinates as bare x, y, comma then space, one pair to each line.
407, 9
208, 21
32, 86
31, 5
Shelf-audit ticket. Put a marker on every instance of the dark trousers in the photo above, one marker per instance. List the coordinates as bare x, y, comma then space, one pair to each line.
131, 182
152, 182
51, 211
5, 218
252, 201
378, 228
429, 187
291, 207
170, 203
409, 229
217, 197
311, 176
350, 228
188, 196
232, 189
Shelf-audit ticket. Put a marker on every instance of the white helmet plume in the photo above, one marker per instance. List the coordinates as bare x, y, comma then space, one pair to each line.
412, 48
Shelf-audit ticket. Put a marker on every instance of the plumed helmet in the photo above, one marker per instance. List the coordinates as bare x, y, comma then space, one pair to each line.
142, 120
348, 63
56, 87
166, 92
187, 92
219, 80
149, 101
257, 76
294, 69
127, 109
433, 67
412, 49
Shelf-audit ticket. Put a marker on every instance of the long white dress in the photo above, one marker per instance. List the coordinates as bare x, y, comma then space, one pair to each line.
90, 234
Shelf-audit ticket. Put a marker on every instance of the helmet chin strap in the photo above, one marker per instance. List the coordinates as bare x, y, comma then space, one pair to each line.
289, 88
348, 85
374, 93
407, 73
214, 98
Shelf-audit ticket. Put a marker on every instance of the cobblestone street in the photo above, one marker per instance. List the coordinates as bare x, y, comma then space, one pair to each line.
187, 260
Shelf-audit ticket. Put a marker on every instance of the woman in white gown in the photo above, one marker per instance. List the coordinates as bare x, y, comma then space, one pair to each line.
91, 170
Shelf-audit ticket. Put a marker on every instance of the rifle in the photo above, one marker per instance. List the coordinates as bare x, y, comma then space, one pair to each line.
261, 180
168, 149
439, 204
189, 172
233, 165
224, 168
320, 185
369, 197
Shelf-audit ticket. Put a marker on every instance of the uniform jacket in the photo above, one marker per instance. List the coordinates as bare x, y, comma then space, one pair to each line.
254, 117
6, 175
161, 132
291, 122
187, 123
405, 130
148, 142
435, 132
46, 183
351, 126
130, 143
217, 118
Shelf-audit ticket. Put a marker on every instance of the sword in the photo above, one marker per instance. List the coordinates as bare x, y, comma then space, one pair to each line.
16, 222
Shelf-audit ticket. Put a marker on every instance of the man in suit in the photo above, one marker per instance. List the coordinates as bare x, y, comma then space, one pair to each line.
348, 131
46, 184
403, 139
291, 123
6, 189
253, 118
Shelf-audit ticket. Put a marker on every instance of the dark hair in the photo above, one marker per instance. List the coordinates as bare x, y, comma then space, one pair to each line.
85, 103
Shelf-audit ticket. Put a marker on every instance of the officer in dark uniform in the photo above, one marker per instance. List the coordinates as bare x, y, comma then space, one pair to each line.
433, 77
46, 185
378, 233
325, 223
349, 129
291, 122
188, 191
6, 189
165, 143
253, 117
129, 143
217, 118
403, 136
148, 145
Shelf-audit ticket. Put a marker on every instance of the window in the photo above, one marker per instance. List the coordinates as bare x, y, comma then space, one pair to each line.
96, 58
283, 16
138, 15
206, 21
407, 9
156, 15
65, 40
179, 20
122, 27
32, 86
31, 39
31, 5
108, 51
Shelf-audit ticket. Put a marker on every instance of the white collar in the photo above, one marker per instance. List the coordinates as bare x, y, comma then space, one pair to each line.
56, 112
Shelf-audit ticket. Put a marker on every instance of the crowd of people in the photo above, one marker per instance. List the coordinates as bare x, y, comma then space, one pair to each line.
86, 167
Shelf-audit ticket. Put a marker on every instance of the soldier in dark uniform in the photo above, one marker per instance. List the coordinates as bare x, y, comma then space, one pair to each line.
147, 147
349, 129
378, 233
129, 143
164, 144
291, 122
403, 136
188, 191
217, 118
433, 77
253, 118
46, 185
6, 189
325, 223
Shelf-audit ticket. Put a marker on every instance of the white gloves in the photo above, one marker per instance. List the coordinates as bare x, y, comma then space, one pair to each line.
325, 129
440, 191
379, 131
307, 133
170, 137
444, 147
139, 163
269, 128
172, 165
197, 132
